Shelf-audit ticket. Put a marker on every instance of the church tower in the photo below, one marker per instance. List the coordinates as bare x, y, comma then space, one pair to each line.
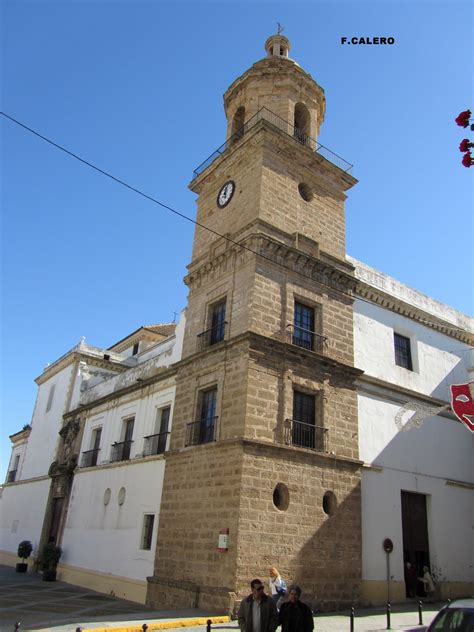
263, 465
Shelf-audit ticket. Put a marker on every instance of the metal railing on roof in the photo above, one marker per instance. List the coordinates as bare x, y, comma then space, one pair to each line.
290, 130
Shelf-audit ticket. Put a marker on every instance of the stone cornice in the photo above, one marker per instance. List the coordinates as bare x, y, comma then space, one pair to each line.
258, 341
461, 484
25, 481
77, 355
322, 269
337, 181
395, 304
289, 452
400, 394
165, 373
21, 436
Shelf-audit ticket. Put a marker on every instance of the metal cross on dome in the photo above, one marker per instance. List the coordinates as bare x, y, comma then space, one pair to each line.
281, 28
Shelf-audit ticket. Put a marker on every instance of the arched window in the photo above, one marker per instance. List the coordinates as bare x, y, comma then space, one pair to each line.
238, 124
302, 124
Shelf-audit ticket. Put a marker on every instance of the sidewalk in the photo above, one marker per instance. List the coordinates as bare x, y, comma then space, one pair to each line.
58, 607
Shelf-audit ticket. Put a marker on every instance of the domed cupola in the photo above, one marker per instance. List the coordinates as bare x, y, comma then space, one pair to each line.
278, 89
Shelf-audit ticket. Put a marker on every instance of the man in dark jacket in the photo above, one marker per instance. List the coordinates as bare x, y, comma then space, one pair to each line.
295, 616
257, 612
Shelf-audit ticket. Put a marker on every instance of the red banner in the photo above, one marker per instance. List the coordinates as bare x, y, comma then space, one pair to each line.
463, 404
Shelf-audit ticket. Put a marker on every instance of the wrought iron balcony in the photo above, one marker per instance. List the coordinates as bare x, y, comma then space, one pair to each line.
297, 134
306, 339
202, 431
155, 444
305, 435
11, 476
121, 451
89, 457
211, 336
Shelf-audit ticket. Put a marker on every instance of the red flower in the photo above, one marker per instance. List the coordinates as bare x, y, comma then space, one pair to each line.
467, 159
465, 144
463, 119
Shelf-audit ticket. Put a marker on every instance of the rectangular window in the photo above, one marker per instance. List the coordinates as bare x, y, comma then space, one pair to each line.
203, 430
147, 531
217, 323
128, 429
135, 348
121, 450
162, 425
156, 443
50, 397
402, 351
303, 329
208, 414
90, 457
304, 420
96, 435
13, 472
95, 445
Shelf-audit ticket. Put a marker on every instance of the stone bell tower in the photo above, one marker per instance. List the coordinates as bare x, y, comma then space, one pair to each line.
263, 463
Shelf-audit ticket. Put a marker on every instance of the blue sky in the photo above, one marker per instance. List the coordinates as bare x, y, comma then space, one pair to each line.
136, 88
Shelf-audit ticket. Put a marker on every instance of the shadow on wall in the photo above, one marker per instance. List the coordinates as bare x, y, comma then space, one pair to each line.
328, 568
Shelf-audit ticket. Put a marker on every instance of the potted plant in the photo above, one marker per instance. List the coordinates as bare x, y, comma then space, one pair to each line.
24, 551
50, 558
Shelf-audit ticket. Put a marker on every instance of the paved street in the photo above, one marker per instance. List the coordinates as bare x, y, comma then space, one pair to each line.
60, 607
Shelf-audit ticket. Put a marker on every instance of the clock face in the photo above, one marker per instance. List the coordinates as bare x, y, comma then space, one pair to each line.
225, 194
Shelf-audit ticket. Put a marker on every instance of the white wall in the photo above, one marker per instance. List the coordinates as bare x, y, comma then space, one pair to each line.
418, 460
438, 360
449, 513
22, 508
45, 425
106, 538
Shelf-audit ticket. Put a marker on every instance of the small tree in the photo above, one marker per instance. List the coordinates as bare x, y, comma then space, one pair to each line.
24, 549
51, 555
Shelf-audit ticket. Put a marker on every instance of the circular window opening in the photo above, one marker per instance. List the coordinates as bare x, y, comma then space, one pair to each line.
281, 497
107, 495
121, 495
305, 191
329, 503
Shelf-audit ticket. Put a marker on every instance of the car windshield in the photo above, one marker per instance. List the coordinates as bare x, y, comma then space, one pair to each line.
452, 620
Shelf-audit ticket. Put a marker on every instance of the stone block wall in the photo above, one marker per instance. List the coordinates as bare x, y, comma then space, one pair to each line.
285, 165
320, 552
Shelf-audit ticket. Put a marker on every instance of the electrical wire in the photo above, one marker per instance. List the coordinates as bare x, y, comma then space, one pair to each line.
193, 221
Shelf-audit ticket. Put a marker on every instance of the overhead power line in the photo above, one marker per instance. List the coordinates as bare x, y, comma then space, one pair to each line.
182, 215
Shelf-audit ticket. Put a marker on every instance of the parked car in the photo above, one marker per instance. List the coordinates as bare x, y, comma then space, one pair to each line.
457, 616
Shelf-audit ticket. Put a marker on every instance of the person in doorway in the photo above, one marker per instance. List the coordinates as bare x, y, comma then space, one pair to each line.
410, 580
428, 584
257, 612
277, 586
295, 616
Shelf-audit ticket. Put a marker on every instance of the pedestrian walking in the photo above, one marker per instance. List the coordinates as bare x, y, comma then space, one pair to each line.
428, 584
410, 580
257, 612
295, 616
277, 585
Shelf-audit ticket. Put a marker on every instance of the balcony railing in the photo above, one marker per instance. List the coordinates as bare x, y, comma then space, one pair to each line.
297, 134
305, 435
11, 476
202, 431
89, 458
121, 451
211, 336
155, 444
306, 339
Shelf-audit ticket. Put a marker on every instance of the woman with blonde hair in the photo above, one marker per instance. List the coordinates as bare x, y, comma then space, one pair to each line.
277, 586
